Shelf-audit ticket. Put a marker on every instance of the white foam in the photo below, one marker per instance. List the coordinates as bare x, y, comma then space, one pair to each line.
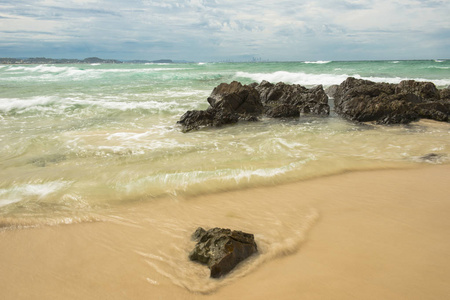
295, 78
319, 62
8, 104
325, 79
40, 190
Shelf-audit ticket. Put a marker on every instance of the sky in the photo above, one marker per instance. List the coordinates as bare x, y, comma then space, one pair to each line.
233, 30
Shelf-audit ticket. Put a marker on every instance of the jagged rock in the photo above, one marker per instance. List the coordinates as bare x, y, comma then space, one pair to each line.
236, 98
232, 102
436, 110
282, 111
308, 101
385, 103
364, 101
194, 119
222, 249
229, 103
418, 92
331, 90
445, 94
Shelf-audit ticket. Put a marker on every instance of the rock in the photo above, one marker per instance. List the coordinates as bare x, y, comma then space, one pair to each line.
194, 119
417, 92
331, 90
230, 103
308, 101
282, 111
445, 94
222, 249
385, 103
432, 157
236, 98
365, 101
435, 110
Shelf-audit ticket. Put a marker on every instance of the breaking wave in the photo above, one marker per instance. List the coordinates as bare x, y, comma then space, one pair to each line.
308, 79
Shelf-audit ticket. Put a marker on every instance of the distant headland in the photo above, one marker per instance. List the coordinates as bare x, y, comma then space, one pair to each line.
89, 60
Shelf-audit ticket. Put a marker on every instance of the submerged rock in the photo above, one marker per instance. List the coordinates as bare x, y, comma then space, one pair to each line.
222, 249
386, 103
432, 157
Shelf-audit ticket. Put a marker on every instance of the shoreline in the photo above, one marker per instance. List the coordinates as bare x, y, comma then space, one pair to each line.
378, 235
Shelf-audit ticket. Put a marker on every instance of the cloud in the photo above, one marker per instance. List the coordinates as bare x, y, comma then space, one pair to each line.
219, 30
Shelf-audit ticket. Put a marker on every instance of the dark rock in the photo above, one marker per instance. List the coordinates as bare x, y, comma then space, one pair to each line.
308, 101
365, 101
432, 157
445, 94
194, 119
435, 110
236, 98
417, 92
222, 249
331, 90
282, 111
230, 103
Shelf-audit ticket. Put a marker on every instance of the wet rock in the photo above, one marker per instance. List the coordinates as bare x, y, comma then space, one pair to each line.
445, 94
229, 103
385, 103
434, 110
418, 92
282, 111
331, 90
365, 101
432, 157
233, 102
236, 98
194, 119
297, 97
222, 249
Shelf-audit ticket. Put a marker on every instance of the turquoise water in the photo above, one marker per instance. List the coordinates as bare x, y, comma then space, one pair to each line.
78, 139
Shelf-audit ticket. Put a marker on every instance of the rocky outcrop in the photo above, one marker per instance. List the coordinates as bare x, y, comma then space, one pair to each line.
222, 249
236, 98
385, 103
229, 103
292, 98
232, 102
194, 119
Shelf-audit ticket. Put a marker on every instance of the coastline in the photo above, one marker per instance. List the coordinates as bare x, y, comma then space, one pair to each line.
372, 234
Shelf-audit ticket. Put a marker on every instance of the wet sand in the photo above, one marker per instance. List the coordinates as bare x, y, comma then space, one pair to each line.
361, 235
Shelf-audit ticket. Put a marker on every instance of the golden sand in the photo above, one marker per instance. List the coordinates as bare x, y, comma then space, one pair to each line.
362, 235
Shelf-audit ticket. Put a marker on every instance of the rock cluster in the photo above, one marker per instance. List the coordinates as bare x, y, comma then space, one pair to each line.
222, 249
386, 103
232, 102
354, 99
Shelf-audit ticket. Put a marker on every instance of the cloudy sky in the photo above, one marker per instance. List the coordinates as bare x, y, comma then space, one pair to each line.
215, 30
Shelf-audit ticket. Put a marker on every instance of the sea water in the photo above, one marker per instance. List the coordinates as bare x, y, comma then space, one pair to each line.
76, 140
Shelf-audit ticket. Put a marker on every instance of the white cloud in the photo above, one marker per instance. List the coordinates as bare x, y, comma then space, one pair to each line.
208, 29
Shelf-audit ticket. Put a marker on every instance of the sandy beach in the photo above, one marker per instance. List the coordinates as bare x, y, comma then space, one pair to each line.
379, 234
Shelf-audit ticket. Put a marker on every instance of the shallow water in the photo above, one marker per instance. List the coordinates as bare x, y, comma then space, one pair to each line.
78, 140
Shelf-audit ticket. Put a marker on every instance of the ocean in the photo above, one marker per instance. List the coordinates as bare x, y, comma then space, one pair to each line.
80, 139
97, 147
